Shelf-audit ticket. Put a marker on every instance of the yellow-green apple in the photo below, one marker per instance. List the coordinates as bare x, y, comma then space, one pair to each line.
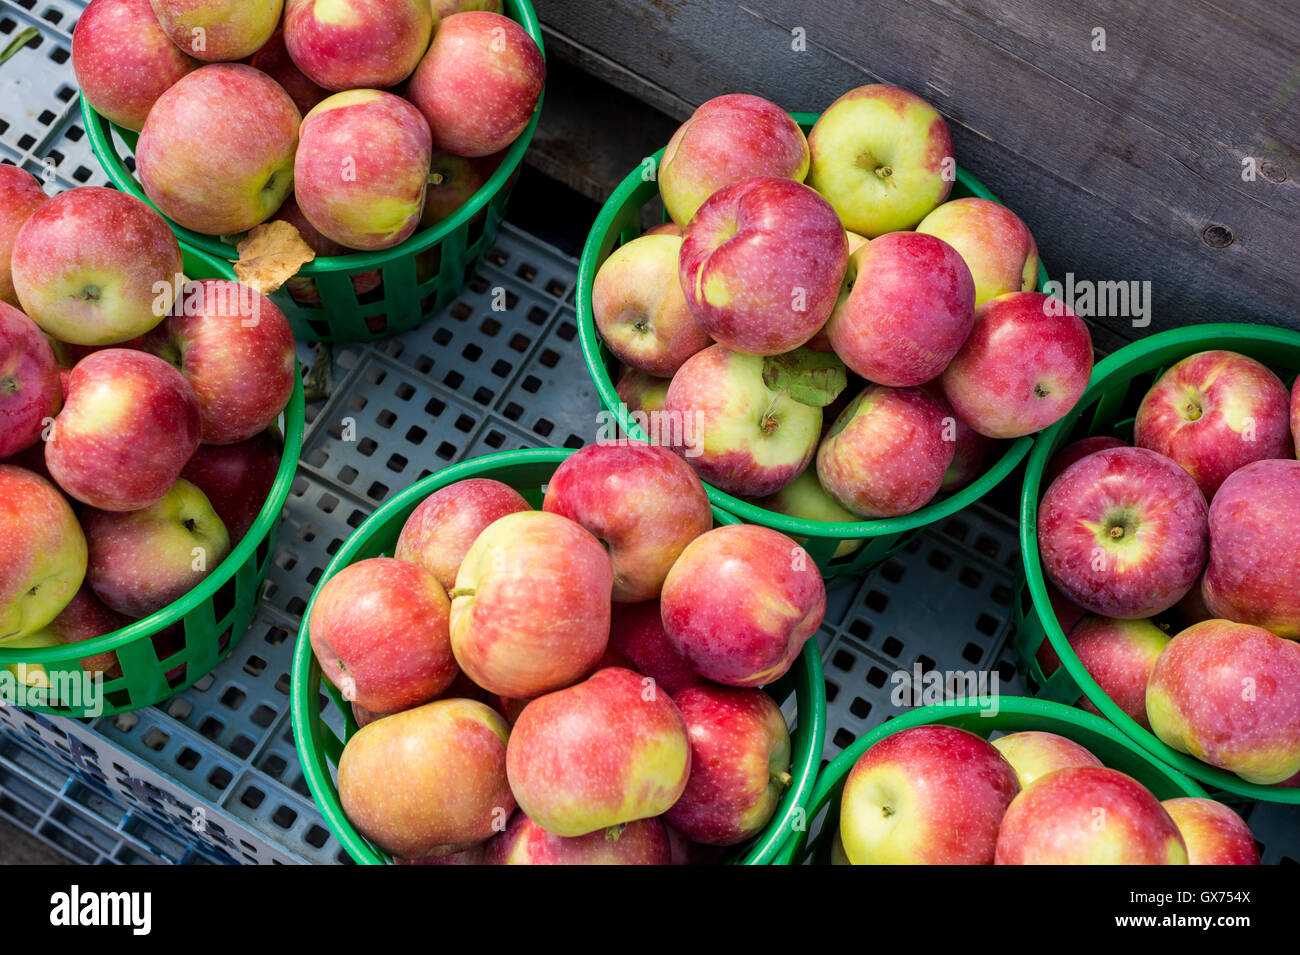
124, 61
357, 44
1229, 694
43, 561
1215, 412
453, 181
738, 434
1088, 815
218, 29
428, 781
740, 764
530, 609
887, 452
302, 287
740, 603
1024, 365
273, 59
94, 266
1119, 655
379, 629
1253, 575
236, 478
643, 502
362, 168
637, 631
140, 561
761, 264
442, 528
524, 842
1073, 452
129, 423
1123, 533
1034, 753
927, 795
30, 390
84, 618
216, 152
883, 157
1213, 833
997, 247
20, 196
640, 308
607, 751
906, 307
236, 349
665, 228
728, 139
479, 83
837, 854
806, 499
641, 392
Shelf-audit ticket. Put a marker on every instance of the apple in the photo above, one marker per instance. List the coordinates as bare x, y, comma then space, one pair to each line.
1254, 552
907, 307
274, 60
85, 618
641, 392
445, 8
737, 433
20, 196
474, 855
524, 842
30, 390
608, 751
1215, 412
1123, 533
216, 153
357, 44
806, 499
740, 603
1025, 364
479, 83
530, 609
379, 629
1034, 753
128, 425
1193, 608
1213, 833
43, 561
124, 60
1073, 452
453, 181
1229, 694
740, 764
218, 29
302, 288
428, 781
640, 309
997, 247
761, 264
682, 851
887, 452
362, 168
94, 266
1067, 614
928, 795
883, 158
236, 479
143, 560
637, 631
643, 502
728, 139
1119, 655
1088, 815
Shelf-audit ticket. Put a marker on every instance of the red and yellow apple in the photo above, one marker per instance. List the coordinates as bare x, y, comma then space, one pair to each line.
30, 390
44, 558
524, 842
357, 44
1034, 753
996, 245
218, 29
1213, 833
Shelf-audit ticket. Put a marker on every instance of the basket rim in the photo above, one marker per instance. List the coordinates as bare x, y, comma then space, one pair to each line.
294, 415
101, 133
1196, 338
306, 678
590, 343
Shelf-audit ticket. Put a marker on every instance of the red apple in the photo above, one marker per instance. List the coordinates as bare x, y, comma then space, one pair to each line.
1119, 655
994, 243
236, 479
379, 629
608, 751
218, 29
740, 603
30, 391
637, 630
20, 196
43, 561
683, 851
1123, 533
1213, 833
524, 842
1073, 452
1033, 754
274, 60
357, 44
453, 181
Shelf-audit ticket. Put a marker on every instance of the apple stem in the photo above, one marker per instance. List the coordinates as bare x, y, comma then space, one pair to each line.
785, 779
613, 832
461, 592
436, 178
1116, 532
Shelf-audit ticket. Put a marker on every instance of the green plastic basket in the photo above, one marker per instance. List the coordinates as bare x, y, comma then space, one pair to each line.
1014, 714
619, 221
210, 619
319, 746
1118, 385
410, 292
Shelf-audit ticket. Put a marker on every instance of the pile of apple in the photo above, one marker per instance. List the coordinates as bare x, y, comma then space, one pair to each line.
355, 121
939, 795
1193, 529
829, 272
576, 684
134, 416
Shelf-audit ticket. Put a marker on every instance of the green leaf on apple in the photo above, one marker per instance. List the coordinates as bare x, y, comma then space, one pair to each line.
810, 377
